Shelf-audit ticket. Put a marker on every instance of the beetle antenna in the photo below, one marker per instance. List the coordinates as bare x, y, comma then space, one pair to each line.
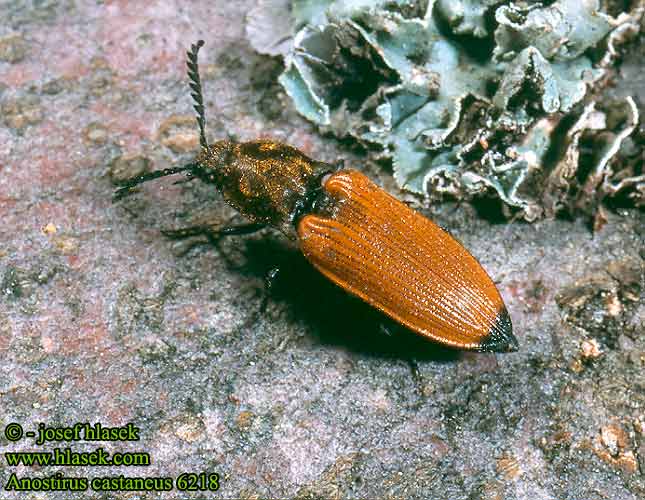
126, 187
196, 90
198, 99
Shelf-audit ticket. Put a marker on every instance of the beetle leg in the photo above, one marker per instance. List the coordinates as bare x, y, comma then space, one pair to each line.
269, 281
384, 329
249, 228
414, 368
185, 232
213, 233
417, 377
188, 178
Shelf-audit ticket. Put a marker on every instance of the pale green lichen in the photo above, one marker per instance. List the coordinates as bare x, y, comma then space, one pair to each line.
462, 95
465, 17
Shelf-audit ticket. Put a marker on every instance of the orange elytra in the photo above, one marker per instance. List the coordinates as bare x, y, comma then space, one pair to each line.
355, 233
377, 248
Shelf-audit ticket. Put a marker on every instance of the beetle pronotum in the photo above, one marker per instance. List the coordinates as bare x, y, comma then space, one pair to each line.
352, 231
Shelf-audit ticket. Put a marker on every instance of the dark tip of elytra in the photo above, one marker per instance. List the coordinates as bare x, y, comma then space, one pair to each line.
500, 338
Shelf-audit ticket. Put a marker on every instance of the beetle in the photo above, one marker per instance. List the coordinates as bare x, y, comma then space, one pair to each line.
351, 230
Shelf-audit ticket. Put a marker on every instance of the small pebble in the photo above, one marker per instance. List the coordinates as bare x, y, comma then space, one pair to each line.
96, 133
13, 48
179, 133
127, 166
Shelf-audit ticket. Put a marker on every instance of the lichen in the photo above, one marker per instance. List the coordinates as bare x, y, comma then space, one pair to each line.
466, 97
